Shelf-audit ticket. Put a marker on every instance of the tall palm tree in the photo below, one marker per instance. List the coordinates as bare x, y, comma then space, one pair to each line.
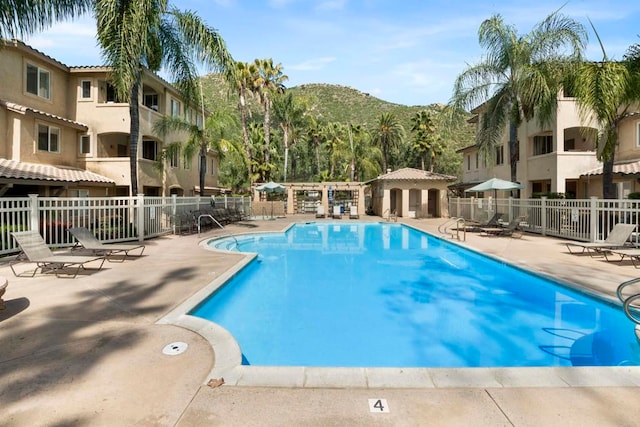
364, 158
427, 141
270, 80
387, 134
242, 83
314, 135
214, 135
151, 34
604, 91
518, 74
333, 137
19, 18
289, 112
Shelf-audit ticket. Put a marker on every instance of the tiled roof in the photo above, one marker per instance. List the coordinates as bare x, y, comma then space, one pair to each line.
14, 170
622, 168
411, 174
23, 109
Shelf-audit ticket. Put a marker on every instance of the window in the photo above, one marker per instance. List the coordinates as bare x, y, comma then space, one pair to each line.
542, 144
468, 161
174, 156
85, 87
187, 162
48, 139
187, 115
199, 121
111, 93
638, 134
37, 81
151, 101
175, 108
213, 167
123, 150
477, 160
85, 144
570, 144
499, 154
149, 150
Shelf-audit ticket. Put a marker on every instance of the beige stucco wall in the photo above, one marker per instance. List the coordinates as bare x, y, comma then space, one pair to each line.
410, 196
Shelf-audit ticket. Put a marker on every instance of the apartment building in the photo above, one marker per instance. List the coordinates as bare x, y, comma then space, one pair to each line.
558, 158
63, 132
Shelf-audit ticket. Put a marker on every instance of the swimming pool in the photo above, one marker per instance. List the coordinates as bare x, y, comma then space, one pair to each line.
382, 295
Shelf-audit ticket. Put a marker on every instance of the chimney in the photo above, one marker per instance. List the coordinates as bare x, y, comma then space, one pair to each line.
388, 170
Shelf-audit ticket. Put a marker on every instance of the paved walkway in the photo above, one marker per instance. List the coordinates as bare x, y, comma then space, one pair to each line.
88, 351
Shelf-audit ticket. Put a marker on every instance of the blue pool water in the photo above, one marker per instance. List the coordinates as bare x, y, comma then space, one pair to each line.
387, 295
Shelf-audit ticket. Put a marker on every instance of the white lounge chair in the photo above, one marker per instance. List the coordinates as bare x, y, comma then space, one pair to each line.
617, 238
353, 212
337, 212
35, 250
87, 240
632, 253
320, 212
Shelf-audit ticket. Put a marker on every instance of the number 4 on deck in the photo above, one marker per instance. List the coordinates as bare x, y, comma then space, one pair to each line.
378, 405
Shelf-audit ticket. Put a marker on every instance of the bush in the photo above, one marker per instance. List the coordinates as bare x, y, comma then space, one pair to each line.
634, 196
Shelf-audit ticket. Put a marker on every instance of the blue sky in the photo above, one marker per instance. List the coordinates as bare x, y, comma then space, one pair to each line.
402, 51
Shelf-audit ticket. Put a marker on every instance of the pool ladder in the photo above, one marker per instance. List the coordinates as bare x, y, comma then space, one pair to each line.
631, 308
457, 221
207, 216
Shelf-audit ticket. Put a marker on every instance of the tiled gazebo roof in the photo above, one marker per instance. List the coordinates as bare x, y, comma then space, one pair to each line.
411, 174
14, 171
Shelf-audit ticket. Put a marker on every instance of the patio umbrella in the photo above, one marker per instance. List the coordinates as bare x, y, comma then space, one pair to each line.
271, 187
495, 184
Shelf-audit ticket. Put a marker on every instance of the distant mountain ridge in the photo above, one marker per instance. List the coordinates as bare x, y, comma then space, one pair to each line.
328, 102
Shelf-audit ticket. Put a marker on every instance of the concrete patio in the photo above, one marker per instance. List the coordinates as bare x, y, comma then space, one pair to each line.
88, 351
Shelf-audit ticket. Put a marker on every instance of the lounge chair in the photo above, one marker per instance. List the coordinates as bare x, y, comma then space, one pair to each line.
472, 226
616, 239
86, 240
35, 250
632, 253
511, 230
337, 212
320, 212
353, 212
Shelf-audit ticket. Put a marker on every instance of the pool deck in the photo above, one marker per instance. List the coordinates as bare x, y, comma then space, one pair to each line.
88, 351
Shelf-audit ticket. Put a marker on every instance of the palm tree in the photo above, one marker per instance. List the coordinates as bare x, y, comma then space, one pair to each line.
604, 91
364, 158
426, 139
19, 18
333, 137
214, 135
151, 34
519, 74
269, 81
387, 134
242, 83
314, 135
289, 112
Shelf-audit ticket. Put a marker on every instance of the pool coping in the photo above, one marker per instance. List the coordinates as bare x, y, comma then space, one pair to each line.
228, 355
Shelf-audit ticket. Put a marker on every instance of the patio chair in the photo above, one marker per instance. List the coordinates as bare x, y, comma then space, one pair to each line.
320, 212
632, 253
616, 239
473, 226
353, 212
337, 212
35, 250
511, 230
86, 240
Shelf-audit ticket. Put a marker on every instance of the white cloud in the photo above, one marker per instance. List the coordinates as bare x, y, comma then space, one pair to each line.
331, 5
312, 64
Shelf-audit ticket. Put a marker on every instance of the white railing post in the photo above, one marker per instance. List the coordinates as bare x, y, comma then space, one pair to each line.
458, 206
140, 217
35, 213
543, 215
472, 209
593, 226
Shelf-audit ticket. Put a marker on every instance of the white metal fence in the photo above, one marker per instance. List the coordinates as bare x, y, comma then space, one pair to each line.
111, 219
586, 219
